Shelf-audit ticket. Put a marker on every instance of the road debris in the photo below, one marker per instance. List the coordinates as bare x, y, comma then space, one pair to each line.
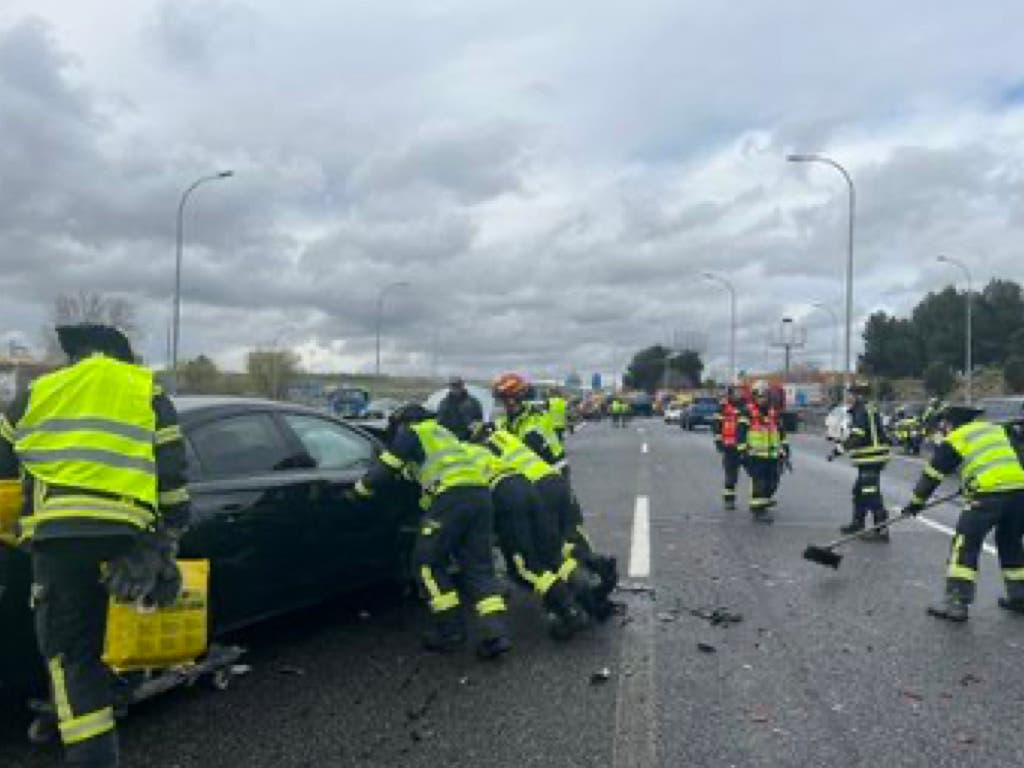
911, 695
292, 671
969, 679
706, 648
602, 675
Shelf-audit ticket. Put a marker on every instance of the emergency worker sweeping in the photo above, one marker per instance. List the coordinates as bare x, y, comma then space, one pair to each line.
457, 523
992, 481
102, 466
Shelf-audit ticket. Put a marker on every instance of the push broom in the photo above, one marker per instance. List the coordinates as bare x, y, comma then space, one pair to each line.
827, 554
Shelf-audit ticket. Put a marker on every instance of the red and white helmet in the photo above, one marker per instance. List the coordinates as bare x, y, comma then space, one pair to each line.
510, 386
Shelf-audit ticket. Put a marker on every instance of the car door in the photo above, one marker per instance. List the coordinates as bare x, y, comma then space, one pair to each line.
251, 516
357, 543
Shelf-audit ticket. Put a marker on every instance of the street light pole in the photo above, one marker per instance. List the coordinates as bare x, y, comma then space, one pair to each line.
800, 158
968, 368
732, 320
835, 328
380, 306
176, 329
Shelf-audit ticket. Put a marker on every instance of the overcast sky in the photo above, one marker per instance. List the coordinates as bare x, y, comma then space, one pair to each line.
550, 178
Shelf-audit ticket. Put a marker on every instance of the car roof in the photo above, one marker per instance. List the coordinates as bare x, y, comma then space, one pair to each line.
197, 408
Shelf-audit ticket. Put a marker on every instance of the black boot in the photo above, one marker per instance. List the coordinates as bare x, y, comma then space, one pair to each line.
607, 570
491, 648
952, 607
565, 617
1014, 605
881, 534
730, 503
444, 635
854, 526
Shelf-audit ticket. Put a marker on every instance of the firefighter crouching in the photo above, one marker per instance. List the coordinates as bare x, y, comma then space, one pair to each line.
102, 468
992, 481
593, 576
456, 524
729, 429
528, 531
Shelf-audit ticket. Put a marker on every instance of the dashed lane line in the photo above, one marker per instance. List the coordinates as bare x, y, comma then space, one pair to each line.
949, 531
643, 448
640, 549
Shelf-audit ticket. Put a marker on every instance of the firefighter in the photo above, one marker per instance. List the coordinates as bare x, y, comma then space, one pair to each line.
992, 481
558, 407
868, 448
457, 523
729, 430
530, 426
766, 448
527, 530
102, 468
908, 432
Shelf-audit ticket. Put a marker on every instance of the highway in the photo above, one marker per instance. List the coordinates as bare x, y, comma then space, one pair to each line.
805, 666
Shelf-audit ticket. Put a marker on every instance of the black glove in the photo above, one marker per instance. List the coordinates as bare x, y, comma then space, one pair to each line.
133, 575
913, 509
167, 589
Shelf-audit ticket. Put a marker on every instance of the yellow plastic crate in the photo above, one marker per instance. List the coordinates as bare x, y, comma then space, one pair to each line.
10, 510
163, 637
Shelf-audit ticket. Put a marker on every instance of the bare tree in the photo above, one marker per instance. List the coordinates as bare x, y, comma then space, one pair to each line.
88, 307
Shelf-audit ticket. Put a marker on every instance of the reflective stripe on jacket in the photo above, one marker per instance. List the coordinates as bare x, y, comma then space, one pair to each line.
91, 427
763, 438
557, 407
447, 464
515, 454
871, 448
989, 464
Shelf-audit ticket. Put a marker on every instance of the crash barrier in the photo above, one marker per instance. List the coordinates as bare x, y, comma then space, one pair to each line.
10, 510
150, 638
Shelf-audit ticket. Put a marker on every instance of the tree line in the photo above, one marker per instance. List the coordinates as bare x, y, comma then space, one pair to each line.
930, 343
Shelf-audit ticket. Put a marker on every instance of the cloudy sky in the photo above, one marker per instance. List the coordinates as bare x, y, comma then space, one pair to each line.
550, 178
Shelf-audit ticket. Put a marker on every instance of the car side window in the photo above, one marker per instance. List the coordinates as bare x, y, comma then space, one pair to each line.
236, 446
331, 445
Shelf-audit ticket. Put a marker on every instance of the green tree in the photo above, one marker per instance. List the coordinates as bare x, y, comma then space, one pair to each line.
1013, 374
891, 347
200, 376
271, 371
939, 321
998, 314
652, 367
938, 379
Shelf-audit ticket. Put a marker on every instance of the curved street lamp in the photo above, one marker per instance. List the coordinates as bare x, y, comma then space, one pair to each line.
732, 320
968, 372
380, 306
814, 158
176, 329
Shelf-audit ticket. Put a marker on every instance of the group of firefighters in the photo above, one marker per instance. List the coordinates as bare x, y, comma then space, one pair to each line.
92, 482
748, 433
92, 468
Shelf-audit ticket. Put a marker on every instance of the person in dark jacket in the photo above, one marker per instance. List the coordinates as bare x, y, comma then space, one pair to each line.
459, 412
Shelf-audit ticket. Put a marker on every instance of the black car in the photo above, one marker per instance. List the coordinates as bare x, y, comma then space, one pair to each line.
699, 413
268, 483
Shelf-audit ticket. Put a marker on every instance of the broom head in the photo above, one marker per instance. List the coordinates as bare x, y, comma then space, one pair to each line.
822, 556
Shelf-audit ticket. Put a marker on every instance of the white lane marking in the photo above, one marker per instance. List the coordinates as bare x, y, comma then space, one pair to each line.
640, 550
949, 531
643, 448
641, 430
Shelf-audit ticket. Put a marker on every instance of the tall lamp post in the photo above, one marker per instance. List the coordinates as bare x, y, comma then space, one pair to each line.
176, 329
732, 320
968, 371
380, 306
835, 327
804, 158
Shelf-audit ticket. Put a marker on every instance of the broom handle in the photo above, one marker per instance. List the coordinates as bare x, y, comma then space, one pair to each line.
887, 523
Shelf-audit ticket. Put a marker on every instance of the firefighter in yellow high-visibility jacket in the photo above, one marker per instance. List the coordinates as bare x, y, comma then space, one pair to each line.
93, 465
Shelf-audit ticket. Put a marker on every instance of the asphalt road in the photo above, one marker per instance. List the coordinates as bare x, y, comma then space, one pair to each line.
826, 668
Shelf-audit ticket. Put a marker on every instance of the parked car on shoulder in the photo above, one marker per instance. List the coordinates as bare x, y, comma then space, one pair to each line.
674, 412
268, 482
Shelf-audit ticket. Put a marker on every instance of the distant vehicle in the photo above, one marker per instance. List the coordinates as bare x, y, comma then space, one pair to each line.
641, 404
837, 424
348, 402
271, 512
674, 412
699, 413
